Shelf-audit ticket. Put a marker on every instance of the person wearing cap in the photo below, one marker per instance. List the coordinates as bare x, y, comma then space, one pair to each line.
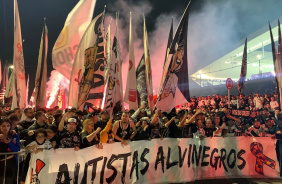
143, 130
256, 130
104, 119
93, 116
123, 128
69, 137
269, 127
139, 113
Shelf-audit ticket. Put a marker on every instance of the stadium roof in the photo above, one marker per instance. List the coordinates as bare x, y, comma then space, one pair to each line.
259, 59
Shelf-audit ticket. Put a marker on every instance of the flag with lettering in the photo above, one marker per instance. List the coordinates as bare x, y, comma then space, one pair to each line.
241, 81
113, 101
141, 82
19, 84
108, 50
88, 75
175, 89
131, 91
41, 73
67, 43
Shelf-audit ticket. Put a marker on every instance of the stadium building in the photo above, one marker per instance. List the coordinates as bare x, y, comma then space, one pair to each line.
260, 67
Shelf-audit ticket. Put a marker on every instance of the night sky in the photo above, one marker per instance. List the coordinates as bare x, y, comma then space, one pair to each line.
215, 26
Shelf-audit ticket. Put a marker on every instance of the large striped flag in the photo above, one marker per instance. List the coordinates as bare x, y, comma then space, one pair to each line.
19, 85
141, 82
148, 69
4, 82
131, 91
277, 62
175, 89
67, 43
87, 80
241, 81
41, 73
113, 101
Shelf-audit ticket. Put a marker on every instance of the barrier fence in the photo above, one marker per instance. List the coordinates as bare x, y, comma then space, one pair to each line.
21, 155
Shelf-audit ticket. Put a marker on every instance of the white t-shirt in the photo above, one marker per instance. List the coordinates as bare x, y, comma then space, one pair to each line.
45, 145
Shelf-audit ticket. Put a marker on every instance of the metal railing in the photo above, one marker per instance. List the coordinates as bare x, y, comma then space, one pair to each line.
21, 157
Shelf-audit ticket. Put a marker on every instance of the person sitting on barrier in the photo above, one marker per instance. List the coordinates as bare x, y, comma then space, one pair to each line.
123, 128
69, 137
88, 135
41, 142
9, 142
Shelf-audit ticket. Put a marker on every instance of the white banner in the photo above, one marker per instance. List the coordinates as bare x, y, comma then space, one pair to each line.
157, 161
130, 96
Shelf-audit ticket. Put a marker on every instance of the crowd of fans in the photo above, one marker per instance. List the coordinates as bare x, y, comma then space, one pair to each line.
202, 117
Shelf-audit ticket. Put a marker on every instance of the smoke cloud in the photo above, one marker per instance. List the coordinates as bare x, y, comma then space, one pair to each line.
56, 79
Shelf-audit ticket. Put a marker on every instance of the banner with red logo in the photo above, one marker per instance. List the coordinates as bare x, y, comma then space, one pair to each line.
131, 90
158, 161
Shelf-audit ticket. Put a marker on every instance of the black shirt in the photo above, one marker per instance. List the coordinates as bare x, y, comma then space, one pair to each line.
85, 143
69, 140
